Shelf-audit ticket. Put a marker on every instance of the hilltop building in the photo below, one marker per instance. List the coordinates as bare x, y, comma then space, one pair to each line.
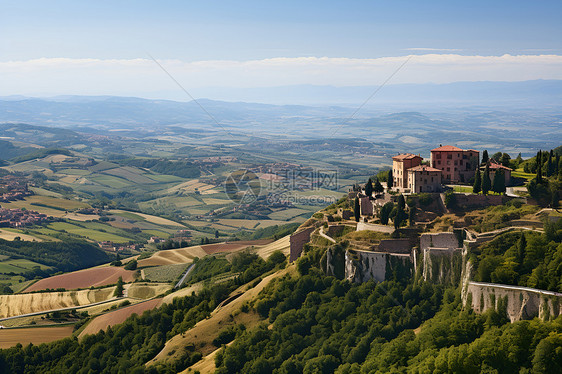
457, 165
400, 165
424, 178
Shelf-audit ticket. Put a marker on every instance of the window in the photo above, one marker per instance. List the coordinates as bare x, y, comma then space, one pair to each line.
438, 162
448, 162
438, 156
456, 163
460, 162
448, 169
448, 176
450, 156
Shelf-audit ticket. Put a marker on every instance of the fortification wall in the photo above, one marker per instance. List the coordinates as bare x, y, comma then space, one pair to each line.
522, 302
361, 226
297, 242
471, 200
403, 246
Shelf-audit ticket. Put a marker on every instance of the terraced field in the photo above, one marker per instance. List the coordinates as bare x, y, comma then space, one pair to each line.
15, 305
173, 256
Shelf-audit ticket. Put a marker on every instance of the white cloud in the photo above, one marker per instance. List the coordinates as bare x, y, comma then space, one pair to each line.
433, 49
142, 77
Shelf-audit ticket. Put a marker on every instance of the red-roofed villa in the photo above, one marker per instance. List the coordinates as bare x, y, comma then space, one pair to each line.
457, 165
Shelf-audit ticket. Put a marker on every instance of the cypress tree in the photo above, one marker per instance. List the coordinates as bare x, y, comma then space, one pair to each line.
119, 288
369, 188
485, 157
357, 210
477, 187
498, 185
400, 213
539, 166
412, 215
378, 188
390, 182
549, 164
486, 182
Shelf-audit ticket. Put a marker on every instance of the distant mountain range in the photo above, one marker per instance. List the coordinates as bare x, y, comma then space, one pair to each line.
318, 102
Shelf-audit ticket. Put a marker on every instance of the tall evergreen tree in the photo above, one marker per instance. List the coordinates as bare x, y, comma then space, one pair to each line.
498, 185
485, 157
486, 182
357, 210
385, 212
378, 188
549, 168
119, 288
538, 161
400, 212
369, 188
505, 159
519, 159
390, 182
477, 187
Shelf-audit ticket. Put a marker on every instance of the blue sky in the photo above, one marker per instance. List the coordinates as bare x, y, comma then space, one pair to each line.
180, 33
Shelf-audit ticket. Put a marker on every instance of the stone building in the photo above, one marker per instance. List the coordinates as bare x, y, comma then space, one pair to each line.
457, 165
400, 165
423, 178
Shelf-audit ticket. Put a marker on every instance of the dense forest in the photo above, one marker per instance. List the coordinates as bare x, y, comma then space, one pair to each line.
528, 259
67, 255
125, 348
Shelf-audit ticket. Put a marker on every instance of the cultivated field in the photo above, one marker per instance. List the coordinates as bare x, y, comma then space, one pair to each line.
15, 305
11, 235
154, 219
95, 277
233, 246
35, 335
282, 245
164, 273
118, 316
173, 256
146, 290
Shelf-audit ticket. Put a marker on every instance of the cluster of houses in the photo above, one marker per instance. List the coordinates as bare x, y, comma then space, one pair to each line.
13, 188
20, 218
448, 165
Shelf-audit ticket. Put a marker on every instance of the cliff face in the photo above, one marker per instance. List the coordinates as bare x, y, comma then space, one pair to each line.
442, 257
522, 302
442, 265
361, 266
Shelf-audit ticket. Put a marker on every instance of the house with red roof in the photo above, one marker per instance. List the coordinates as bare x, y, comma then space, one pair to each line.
494, 167
456, 164
424, 178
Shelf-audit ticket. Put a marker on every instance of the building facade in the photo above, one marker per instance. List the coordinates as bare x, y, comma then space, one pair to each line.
423, 178
400, 166
457, 165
